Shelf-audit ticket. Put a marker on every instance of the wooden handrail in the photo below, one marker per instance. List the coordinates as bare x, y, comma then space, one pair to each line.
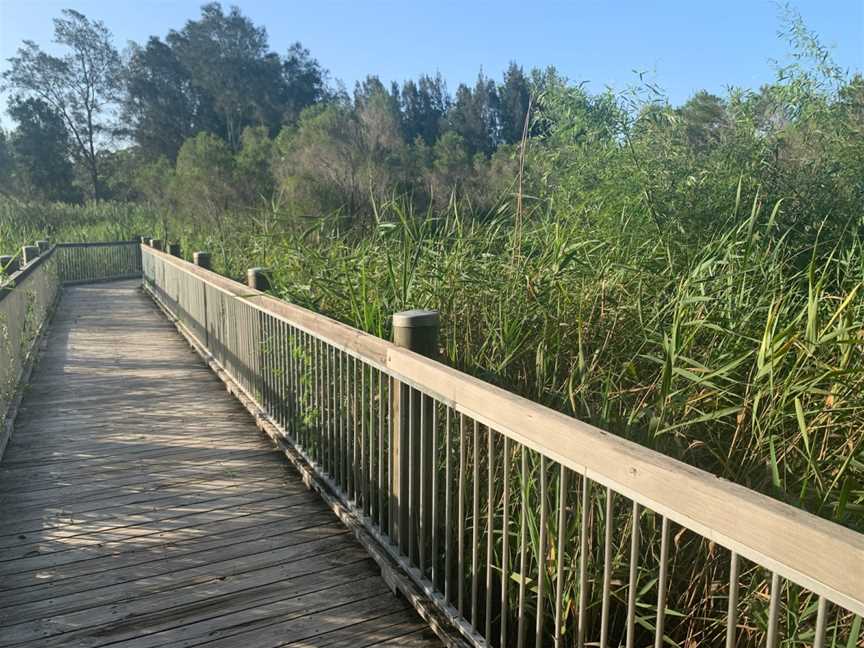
818, 554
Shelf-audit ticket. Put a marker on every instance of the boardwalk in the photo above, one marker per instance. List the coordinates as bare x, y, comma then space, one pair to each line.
140, 506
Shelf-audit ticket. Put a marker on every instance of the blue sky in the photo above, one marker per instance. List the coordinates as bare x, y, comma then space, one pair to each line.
683, 45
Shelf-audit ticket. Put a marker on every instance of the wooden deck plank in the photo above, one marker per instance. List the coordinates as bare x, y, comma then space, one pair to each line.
140, 506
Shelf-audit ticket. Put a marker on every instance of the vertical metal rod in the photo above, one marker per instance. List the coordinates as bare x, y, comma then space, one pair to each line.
821, 620
361, 405
475, 522
523, 547
381, 419
559, 554
292, 380
660, 623
422, 488
412, 499
356, 440
448, 510
370, 445
634, 576
490, 513
732, 612
583, 561
345, 420
773, 611
333, 437
505, 542
435, 488
460, 521
390, 476
541, 557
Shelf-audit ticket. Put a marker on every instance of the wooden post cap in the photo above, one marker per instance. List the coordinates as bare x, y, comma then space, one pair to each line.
43, 245
417, 330
417, 318
174, 249
156, 244
8, 264
202, 259
29, 253
258, 278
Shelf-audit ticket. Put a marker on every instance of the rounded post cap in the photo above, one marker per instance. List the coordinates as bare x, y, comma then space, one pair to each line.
416, 318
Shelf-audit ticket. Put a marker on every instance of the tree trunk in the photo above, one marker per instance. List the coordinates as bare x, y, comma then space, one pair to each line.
94, 178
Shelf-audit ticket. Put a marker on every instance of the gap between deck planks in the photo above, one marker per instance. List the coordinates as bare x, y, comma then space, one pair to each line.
140, 506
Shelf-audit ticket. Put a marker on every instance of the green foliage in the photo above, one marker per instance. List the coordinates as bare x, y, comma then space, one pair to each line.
205, 176
38, 151
79, 87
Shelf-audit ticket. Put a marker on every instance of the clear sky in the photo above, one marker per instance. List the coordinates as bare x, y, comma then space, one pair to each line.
685, 45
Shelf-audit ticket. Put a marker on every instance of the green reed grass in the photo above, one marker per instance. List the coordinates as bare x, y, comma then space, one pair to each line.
737, 351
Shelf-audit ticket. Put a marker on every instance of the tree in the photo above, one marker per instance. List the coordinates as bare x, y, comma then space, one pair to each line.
381, 141
40, 147
514, 95
451, 166
424, 105
226, 57
6, 163
320, 164
253, 166
216, 75
205, 176
305, 82
474, 115
162, 105
81, 86
704, 117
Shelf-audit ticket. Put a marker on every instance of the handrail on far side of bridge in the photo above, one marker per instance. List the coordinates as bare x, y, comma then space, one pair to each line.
519, 523
29, 286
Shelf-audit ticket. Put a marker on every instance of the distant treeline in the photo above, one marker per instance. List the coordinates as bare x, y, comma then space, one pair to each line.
210, 124
94, 124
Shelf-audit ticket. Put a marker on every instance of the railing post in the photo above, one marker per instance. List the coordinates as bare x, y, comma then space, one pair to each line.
43, 245
29, 253
258, 278
415, 330
174, 249
8, 264
202, 260
156, 244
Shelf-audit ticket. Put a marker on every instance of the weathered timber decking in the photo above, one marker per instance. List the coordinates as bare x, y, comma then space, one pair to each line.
140, 506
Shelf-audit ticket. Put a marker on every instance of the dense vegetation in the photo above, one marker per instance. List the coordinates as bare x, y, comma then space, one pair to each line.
684, 276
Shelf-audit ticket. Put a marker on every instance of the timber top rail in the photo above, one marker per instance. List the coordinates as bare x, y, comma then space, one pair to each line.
505, 522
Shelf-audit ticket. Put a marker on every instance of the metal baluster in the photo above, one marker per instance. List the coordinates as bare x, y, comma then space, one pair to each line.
505, 542
490, 510
634, 575
562, 531
773, 611
732, 613
523, 548
475, 526
662, 583
461, 517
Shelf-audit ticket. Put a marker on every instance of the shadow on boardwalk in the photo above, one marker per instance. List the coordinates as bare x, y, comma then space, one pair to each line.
140, 506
